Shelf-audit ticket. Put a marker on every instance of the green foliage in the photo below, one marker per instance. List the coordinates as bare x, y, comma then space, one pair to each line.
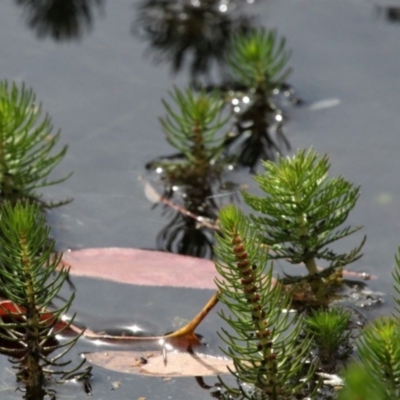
26, 146
379, 351
360, 384
329, 330
192, 128
264, 346
259, 59
29, 278
301, 211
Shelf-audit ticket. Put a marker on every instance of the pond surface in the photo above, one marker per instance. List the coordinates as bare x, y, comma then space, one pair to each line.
104, 92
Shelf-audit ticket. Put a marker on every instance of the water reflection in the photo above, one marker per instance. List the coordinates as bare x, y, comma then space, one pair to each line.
190, 32
60, 19
259, 120
191, 228
390, 13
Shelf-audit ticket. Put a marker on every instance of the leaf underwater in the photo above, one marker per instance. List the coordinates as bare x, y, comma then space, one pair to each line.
178, 364
141, 267
149, 267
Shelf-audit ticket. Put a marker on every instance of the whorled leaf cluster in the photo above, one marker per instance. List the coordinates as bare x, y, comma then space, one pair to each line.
259, 59
27, 146
263, 339
376, 376
301, 213
30, 279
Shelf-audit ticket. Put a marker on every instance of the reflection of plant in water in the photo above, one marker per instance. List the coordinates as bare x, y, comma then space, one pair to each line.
26, 146
182, 31
59, 19
195, 172
26, 279
183, 234
258, 61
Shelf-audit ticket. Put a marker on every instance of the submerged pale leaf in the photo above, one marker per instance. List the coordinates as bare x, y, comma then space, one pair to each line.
145, 363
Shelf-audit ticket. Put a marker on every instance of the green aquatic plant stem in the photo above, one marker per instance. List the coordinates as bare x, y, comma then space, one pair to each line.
30, 280
329, 330
27, 146
301, 212
258, 60
263, 347
191, 126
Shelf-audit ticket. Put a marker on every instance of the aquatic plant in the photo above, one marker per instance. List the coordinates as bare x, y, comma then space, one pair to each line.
30, 280
259, 59
27, 143
192, 125
377, 374
300, 214
258, 63
192, 129
329, 330
360, 384
269, 360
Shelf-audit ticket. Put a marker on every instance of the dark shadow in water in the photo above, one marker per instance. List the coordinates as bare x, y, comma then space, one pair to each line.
196, 196
259, 120
390, 13
196, 32
61, 20
184, 234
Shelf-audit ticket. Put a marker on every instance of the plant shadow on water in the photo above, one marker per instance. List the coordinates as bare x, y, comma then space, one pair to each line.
60, 20
196, 33
250, 101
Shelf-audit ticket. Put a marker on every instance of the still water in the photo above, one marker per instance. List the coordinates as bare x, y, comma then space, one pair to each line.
101, 85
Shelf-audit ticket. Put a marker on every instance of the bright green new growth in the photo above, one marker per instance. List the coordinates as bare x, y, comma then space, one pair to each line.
259, 59
264, 346
26, 145
361, 385
29, 278
301, 212
329, 330
379, 352
192, 127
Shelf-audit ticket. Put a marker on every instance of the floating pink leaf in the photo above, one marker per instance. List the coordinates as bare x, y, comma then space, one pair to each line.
142, 267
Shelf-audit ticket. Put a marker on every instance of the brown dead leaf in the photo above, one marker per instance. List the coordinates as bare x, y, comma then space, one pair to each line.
178, 364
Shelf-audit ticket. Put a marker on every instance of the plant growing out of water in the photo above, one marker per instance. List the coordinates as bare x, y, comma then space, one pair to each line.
329, 330
258, 61
27, 143
269, 360
192, 125
379, 349
377, 375
29, 278
300, 214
